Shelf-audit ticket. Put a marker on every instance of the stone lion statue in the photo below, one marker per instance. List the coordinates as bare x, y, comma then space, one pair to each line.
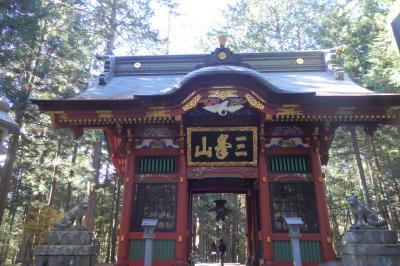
364, 218
75, 214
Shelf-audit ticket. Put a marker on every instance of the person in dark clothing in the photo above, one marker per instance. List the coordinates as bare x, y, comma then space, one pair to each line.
214, 252
221, 250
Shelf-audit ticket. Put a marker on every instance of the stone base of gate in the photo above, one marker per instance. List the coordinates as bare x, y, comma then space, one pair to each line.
66, 248
370, 248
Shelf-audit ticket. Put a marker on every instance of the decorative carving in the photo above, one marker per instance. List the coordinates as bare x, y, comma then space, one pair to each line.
157, 132
280, 177
289, 110
345, 110
104, 114
242, 172
75, 214
258, 96
222, 108
157, 144
222, 56
287, 131
222, 94
158, 112
188, 97
144, 177
364, 218
192, 103
286, 143
61, 115
392, 110
254, 102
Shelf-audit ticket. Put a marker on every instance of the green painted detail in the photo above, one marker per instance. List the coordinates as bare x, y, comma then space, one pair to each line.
260, 249
162, 249
136, 249
310, 250
156, 165
288, 164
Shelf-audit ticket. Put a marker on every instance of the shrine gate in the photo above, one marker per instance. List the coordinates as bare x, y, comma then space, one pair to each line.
260, 124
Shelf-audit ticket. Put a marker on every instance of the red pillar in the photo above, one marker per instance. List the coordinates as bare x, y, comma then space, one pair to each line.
322, 206
264, 205
123, 243
182, 210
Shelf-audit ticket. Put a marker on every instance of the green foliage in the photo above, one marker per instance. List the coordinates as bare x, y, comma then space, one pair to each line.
40, 222
47, 50
271, 25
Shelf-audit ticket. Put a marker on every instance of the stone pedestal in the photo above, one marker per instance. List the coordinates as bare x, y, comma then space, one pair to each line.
66, 248
370, 248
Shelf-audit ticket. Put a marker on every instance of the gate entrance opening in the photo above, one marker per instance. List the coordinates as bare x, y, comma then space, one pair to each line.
236, 229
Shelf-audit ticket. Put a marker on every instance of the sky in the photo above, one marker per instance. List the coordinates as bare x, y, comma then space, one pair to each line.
195, 19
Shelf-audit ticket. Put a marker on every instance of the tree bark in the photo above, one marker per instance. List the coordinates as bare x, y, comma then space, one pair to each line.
382, 186
7, 172
393, 172
112, 29
96, 164
26, 243
361, 172
115, 220
56, 171
197, 202
71, 175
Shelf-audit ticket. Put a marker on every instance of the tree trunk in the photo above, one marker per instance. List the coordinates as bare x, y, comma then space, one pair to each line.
96, 164
7, 172
56, 171
111, 217
361, 172
71, 175
115, 220
394, 175
23, 255
200, 200
235, 225
112, 29
382, 186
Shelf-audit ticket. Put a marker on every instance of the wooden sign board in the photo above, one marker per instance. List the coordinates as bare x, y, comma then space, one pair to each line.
222, 146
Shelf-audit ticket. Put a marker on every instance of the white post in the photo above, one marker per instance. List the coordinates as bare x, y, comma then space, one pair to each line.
294, 233
149, 225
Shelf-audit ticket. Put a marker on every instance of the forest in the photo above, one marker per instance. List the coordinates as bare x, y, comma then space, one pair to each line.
50, 49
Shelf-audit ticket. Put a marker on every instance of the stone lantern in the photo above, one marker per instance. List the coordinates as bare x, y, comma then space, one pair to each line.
219, 211
7, 125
